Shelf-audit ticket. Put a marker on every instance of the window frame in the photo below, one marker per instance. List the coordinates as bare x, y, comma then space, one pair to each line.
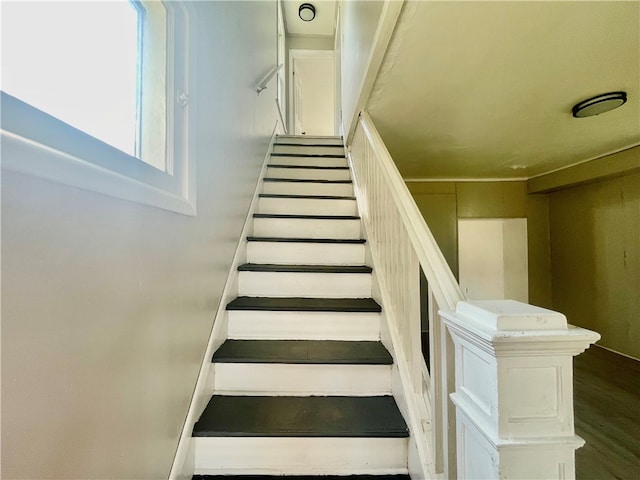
38, 144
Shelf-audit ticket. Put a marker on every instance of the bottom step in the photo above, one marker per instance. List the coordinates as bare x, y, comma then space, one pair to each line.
300, 456
301, 436
301, 477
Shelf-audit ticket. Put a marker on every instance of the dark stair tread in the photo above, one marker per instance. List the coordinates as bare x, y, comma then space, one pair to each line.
301, 477
311, 197
307, 240
304, 180
286, 144
258, 416
310, 155
306, 167
310, 217
303, 352
301, 304
271, 267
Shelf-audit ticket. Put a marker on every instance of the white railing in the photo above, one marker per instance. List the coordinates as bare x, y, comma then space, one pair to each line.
497, 402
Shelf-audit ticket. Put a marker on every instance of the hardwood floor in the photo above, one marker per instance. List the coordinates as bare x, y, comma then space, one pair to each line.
607, 415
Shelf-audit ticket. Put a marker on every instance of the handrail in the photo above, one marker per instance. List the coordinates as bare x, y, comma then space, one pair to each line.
263, 84
444, 285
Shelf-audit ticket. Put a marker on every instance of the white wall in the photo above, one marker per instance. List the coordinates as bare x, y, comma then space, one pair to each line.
359, 21
108, 304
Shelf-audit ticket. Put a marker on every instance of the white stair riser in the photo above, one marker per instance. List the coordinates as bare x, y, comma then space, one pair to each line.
306, 228
308, 173
307, 161
275, 325
300, 456
308, 150
306, 284
290, 253
301, 380
309, 140
307, 206
308, 188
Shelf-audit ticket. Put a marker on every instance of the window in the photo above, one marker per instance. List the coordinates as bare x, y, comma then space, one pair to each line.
100, 83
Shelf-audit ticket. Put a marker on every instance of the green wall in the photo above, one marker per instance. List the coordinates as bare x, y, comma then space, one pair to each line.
583, 244
443, 203
595, 252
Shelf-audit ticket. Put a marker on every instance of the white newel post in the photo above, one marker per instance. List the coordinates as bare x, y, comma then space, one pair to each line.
514, 390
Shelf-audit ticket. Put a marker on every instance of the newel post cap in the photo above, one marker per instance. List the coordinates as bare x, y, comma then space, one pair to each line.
511, 315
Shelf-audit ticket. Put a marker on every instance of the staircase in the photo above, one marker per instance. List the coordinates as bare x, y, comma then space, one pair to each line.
302, 385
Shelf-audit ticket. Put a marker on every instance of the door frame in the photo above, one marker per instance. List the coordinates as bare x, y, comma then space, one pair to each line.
295, 53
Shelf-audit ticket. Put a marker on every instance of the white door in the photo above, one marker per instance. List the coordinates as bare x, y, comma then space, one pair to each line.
313, 93
492, 256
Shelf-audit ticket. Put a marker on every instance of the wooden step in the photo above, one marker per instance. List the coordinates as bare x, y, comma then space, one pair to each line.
310, 251
303, 352
283, 186
300, 455
308, 155
312, 281
341, 241
268, 416
302, 367
262, 267
309, 140
308, 226
297, 304
301, 477
308, 172
317, 161
307, 204
317, 148
304, 318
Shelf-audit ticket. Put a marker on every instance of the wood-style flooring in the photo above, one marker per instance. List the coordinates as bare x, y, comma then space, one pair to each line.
607, 415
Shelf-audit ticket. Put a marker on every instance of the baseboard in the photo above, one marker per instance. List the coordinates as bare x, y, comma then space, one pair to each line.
616, 352
184, 461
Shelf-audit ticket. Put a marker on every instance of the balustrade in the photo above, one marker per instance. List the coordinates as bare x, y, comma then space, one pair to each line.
497, 401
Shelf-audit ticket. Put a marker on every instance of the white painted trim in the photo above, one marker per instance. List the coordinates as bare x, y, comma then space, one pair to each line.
279, 379
182, 468
300, 456
82, 161
27, 157
274, 325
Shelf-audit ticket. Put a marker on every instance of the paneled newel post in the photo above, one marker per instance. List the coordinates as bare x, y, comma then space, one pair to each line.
514, 390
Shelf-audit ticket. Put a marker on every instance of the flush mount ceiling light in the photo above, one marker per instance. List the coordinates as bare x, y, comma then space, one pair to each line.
599, 104
307, 12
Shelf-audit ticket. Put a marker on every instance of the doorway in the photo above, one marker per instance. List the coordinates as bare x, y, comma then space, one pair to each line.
312, 92
493, 261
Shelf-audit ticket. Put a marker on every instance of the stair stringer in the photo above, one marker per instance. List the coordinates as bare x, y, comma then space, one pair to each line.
420, 454
183, 466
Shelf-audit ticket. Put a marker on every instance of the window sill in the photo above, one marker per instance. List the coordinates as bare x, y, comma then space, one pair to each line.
27, 157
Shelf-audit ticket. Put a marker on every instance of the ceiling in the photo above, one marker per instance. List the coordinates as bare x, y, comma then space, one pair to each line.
323, 24
485, 89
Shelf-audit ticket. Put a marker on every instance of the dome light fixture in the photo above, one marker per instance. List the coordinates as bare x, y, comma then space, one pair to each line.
307, 12
599, 104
